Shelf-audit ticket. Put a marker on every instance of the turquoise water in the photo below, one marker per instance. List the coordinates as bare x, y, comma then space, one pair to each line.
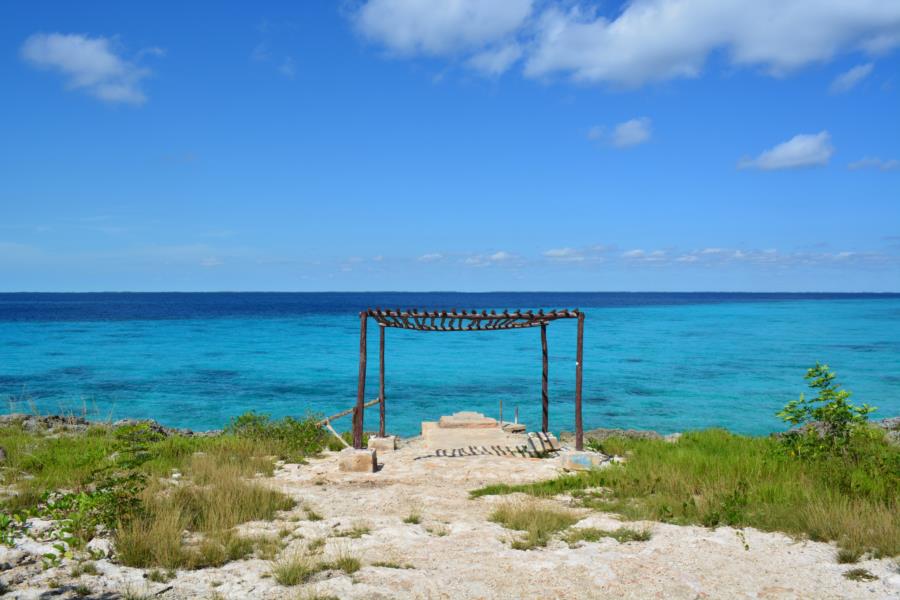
665, 364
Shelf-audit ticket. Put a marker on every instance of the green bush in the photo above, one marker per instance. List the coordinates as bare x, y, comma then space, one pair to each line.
292, 438
827, 423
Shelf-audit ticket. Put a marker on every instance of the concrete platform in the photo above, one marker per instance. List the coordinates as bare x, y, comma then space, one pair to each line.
467, 420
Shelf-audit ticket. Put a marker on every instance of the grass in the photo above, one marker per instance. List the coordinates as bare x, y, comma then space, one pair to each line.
713, 478
593, 534
538, 522
358, 530
413, 518
311, 514
860, 575
84, 568
150, 489
296, 569
848, 555
438, 530
158, 576
300, 567
389, 564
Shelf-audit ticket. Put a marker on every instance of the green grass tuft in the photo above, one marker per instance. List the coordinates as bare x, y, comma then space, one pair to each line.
538, 522
592, 534
860, 575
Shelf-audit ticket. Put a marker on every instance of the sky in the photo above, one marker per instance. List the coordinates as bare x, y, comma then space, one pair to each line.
472, 145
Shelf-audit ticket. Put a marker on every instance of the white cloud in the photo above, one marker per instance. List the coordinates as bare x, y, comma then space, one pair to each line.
210, 262
441, 27
655, 40
881, 164
89, 64
431, 257
500, 257
847, 80
564, 254
624, 135
631, 133
287, 67
495, 61
803, 150
596, 132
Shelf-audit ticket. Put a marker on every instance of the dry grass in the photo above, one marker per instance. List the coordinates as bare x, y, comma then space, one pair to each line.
295, 569
213, 497
539, 522
299, 567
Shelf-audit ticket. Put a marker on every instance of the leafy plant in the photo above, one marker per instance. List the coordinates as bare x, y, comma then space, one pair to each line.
293, 438
827, 422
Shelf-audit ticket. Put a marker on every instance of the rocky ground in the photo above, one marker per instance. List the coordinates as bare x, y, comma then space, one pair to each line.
455, 552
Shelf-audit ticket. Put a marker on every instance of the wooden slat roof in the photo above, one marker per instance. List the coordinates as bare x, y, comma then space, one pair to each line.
463, 320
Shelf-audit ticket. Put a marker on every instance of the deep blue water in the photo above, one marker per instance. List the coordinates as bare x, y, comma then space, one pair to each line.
662, 361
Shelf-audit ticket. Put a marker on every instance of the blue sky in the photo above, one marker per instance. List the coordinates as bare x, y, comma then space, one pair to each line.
459, 145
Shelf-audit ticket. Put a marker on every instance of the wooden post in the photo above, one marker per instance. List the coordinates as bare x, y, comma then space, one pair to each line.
361, 385
579, 430
381, 380
545, 397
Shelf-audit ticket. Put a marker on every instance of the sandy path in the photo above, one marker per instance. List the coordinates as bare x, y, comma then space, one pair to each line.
454, 552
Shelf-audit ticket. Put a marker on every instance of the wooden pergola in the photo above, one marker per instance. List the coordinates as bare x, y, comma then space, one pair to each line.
455, 320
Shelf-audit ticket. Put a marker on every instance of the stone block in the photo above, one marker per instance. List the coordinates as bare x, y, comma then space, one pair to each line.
383, 444
467, 420
574, 460
542, 443
514, 427
357, 461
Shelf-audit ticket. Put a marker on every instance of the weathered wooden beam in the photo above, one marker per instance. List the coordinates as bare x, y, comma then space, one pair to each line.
381, 381
545, 396
358, 415
579, 360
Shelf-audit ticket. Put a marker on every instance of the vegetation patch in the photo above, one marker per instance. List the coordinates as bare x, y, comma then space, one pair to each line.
593, 534
860, 575
170, 501
300, 567
538, 522
392, 565
845, 490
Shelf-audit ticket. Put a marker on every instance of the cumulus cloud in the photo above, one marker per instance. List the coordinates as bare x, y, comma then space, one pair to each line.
431, 257
848, 80
442, 27
501, 257
90, 64
803, 150
631, 133
624, 135
881, 164
644, 41
655, 40
564, 254
495, 61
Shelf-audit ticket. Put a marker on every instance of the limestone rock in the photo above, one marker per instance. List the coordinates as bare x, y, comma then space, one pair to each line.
542, 443
357, 461
581, 461
383, 444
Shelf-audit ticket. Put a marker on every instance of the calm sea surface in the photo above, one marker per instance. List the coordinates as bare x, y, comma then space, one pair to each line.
668, 362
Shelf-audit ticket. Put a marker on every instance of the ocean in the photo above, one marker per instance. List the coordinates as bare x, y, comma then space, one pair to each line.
663, 361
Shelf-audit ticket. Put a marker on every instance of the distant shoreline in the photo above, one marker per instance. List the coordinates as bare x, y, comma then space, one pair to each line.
78, 424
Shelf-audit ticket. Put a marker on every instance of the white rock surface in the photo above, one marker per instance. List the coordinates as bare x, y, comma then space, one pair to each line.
455, 552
